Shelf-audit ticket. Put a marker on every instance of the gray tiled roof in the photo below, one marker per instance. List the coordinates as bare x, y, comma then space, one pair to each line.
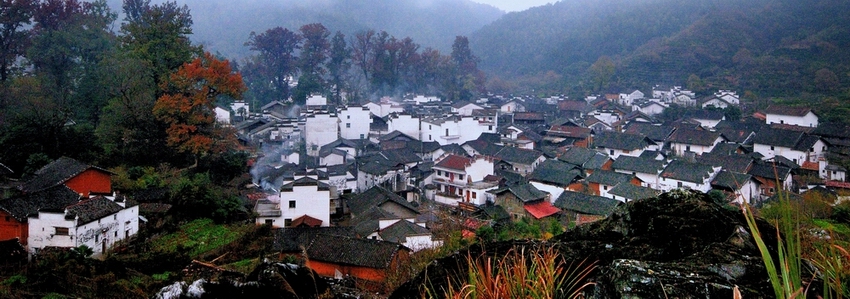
632, 192
607, 177
586, 203
584, 158
523, 192
305, 181
93, 209
620, 141
734, 162
652, 131
55, 173
687, 171
293, 239
374, 197
728, 180
397, 232
512, 154
554, 176
353, 251
691, 136
52, 199
638, 164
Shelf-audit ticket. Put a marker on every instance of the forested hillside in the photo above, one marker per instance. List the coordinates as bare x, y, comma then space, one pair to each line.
224, 26
772, 48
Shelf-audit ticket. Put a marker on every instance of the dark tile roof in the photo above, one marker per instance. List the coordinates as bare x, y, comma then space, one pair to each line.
483, 147
621, 141
510, 177
729, 180
523, 192
397, 232
305, 181
736, 135
692, 136
51, 199
632, 192
734, 162
295, 239
652, 131
512, 154
353, 251
92, 209
375, 197
787, 110
568, 132
454, 162
584, 158
638, 164
328, 148
725, 148
778, 137
586, 203
555, 176
687, 171
705, 114
453, 148
836, 130
490, 137
368, 222
57, 172
608, 177
396, 135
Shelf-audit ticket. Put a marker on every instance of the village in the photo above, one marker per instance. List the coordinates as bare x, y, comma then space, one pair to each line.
359, 188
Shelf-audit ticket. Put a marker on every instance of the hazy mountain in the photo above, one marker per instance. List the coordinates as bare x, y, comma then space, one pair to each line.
759, 45
224, 26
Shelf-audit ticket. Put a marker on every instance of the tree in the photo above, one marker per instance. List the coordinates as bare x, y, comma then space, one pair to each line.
314, 52
159, 35
275, 63
826, 80
601, 72
187, 105
14, 14
338, 64
467, 79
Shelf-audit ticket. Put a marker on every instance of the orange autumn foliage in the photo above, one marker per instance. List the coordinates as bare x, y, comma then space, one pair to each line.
188, 104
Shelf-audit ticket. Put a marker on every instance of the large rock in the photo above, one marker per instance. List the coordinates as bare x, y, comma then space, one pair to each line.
679, 245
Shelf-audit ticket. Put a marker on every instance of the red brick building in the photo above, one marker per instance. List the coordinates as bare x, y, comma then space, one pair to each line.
80, 177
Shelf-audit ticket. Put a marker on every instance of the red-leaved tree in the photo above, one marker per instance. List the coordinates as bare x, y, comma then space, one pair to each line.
187, 105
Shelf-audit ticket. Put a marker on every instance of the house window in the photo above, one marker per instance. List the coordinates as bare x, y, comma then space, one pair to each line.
460, 177
447, 132
287, 222
8, 218
688, 148
611, 152
62, 231
604, 187
439, 172
116, 234
115, 217
348, 116
362, 136
348, 125
680, 184
291, 204
474, 194
771, 148
96, 238
489, 128
269, 221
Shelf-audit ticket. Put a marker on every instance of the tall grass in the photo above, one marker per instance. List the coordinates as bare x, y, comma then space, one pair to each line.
785, 275
541, 273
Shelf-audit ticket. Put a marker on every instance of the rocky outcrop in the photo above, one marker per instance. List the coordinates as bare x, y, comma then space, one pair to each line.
679, 245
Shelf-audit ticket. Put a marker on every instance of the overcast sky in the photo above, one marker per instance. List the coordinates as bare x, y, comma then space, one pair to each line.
515, 5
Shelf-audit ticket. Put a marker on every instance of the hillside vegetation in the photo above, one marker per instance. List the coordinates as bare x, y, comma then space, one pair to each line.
772, 48
224, 26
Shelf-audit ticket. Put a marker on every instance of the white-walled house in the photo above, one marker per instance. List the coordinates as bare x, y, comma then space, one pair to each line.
796, 146
404, 123
453, 129
97, 222
685, 140
320, 128
742, 186
645, 169
384, 107
460, 179
682, 174
354, 122
798, 116
315, 100
465, 108
222, 116
303, 197
615, 144
512, 106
